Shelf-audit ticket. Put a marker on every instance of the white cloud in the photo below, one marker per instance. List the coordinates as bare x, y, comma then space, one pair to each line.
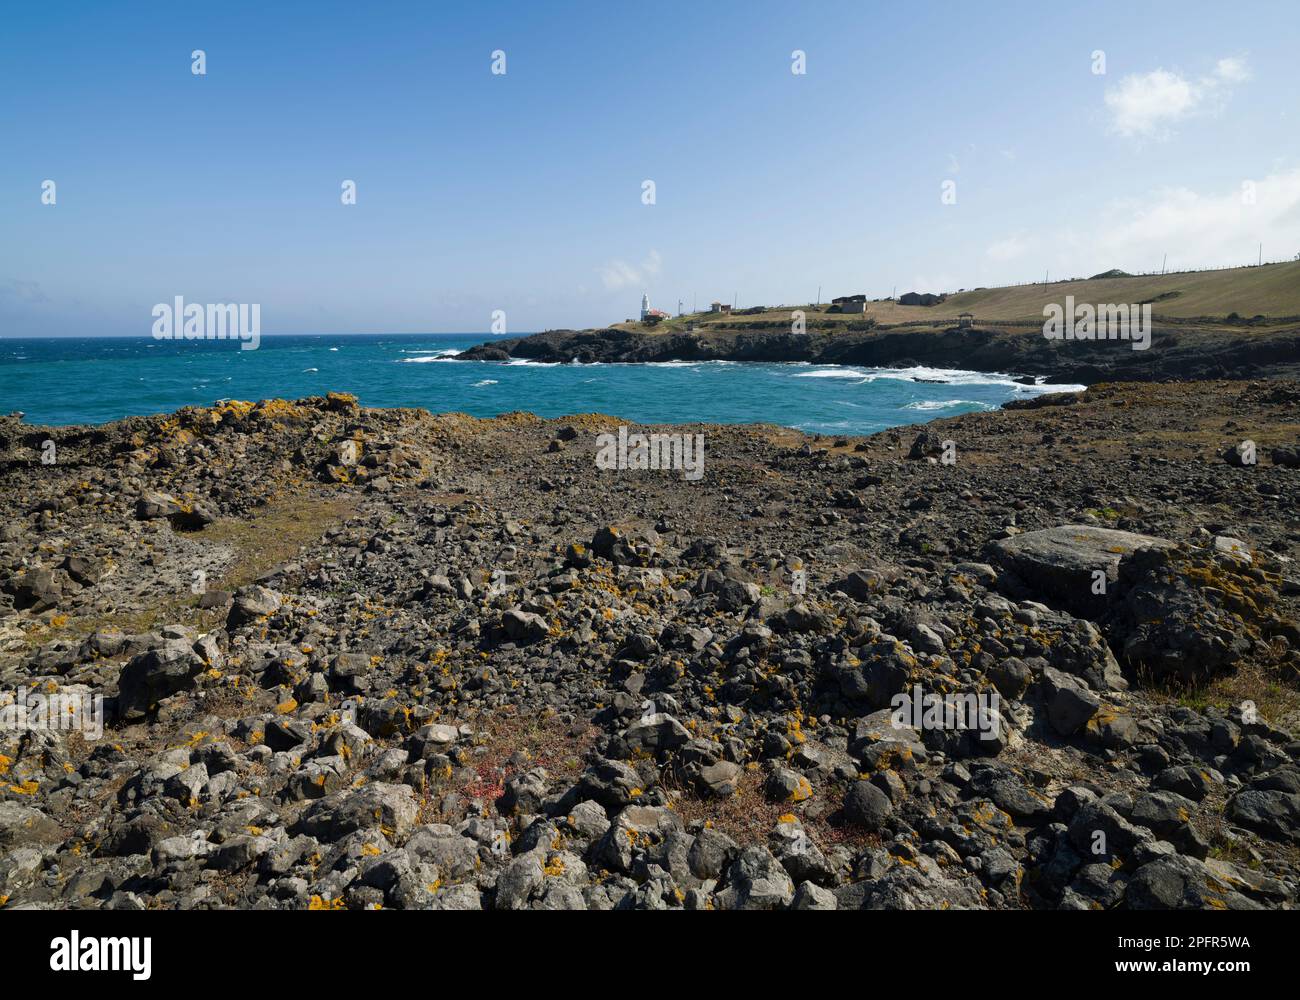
1146, 104
1203, 230
617, 274
1232, 70
1149, 104
1196, 229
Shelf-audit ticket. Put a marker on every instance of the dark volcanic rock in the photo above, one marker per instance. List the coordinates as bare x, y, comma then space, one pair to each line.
423, 688
1074, 565
153, 675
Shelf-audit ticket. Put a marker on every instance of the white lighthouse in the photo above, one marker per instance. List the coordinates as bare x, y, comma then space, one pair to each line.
645, 306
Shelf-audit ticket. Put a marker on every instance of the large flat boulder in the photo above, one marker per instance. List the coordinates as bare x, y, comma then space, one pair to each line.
1058, 566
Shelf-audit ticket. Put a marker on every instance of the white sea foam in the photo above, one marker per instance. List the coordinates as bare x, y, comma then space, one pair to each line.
685, 364
650, 364
943, 404
424, 357
946, 376
486, 381
836, 372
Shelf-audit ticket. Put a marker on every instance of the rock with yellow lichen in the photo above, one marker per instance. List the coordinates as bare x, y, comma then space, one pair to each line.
1190, 615
703, 710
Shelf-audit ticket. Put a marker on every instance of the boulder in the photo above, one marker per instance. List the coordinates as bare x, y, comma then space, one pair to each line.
1069, 703
155, 674
1059, 566
524, 626
756, 881
391, 808
1188, 615
656, 733
22, 825
867, 806
251, 603
153, 505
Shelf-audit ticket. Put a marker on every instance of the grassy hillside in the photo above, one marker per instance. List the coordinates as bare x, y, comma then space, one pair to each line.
1272, 290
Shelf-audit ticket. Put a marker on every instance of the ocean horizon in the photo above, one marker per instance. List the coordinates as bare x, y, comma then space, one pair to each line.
92, 380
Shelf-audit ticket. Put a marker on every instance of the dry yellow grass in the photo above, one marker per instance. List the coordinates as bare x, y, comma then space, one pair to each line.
1272, 290
274, 534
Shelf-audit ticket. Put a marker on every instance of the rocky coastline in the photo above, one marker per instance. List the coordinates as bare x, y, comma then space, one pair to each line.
1179, 350
353, 658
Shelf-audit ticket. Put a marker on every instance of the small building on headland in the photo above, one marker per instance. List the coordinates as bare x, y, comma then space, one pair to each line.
920, 299
649, 315
964, 320
849, 304
720, 307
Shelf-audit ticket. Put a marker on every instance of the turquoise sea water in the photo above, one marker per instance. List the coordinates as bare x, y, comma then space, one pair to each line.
91, 380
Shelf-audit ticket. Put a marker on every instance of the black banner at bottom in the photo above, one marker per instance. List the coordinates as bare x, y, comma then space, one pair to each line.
172, 949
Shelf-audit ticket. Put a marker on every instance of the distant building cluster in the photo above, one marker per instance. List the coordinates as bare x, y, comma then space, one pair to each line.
853, 305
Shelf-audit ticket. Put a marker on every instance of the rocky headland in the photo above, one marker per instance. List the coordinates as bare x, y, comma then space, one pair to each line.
1179, 350
359, 658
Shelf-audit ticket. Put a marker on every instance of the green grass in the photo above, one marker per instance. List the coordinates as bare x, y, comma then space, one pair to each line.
274, 535
257, 544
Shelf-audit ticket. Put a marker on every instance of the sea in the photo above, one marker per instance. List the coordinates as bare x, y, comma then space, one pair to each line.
85, 380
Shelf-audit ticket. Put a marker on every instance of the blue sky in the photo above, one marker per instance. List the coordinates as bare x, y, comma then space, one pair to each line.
523, 192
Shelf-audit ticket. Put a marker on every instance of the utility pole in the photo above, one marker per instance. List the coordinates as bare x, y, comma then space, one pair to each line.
819, 295
1261, 254
1163, 263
